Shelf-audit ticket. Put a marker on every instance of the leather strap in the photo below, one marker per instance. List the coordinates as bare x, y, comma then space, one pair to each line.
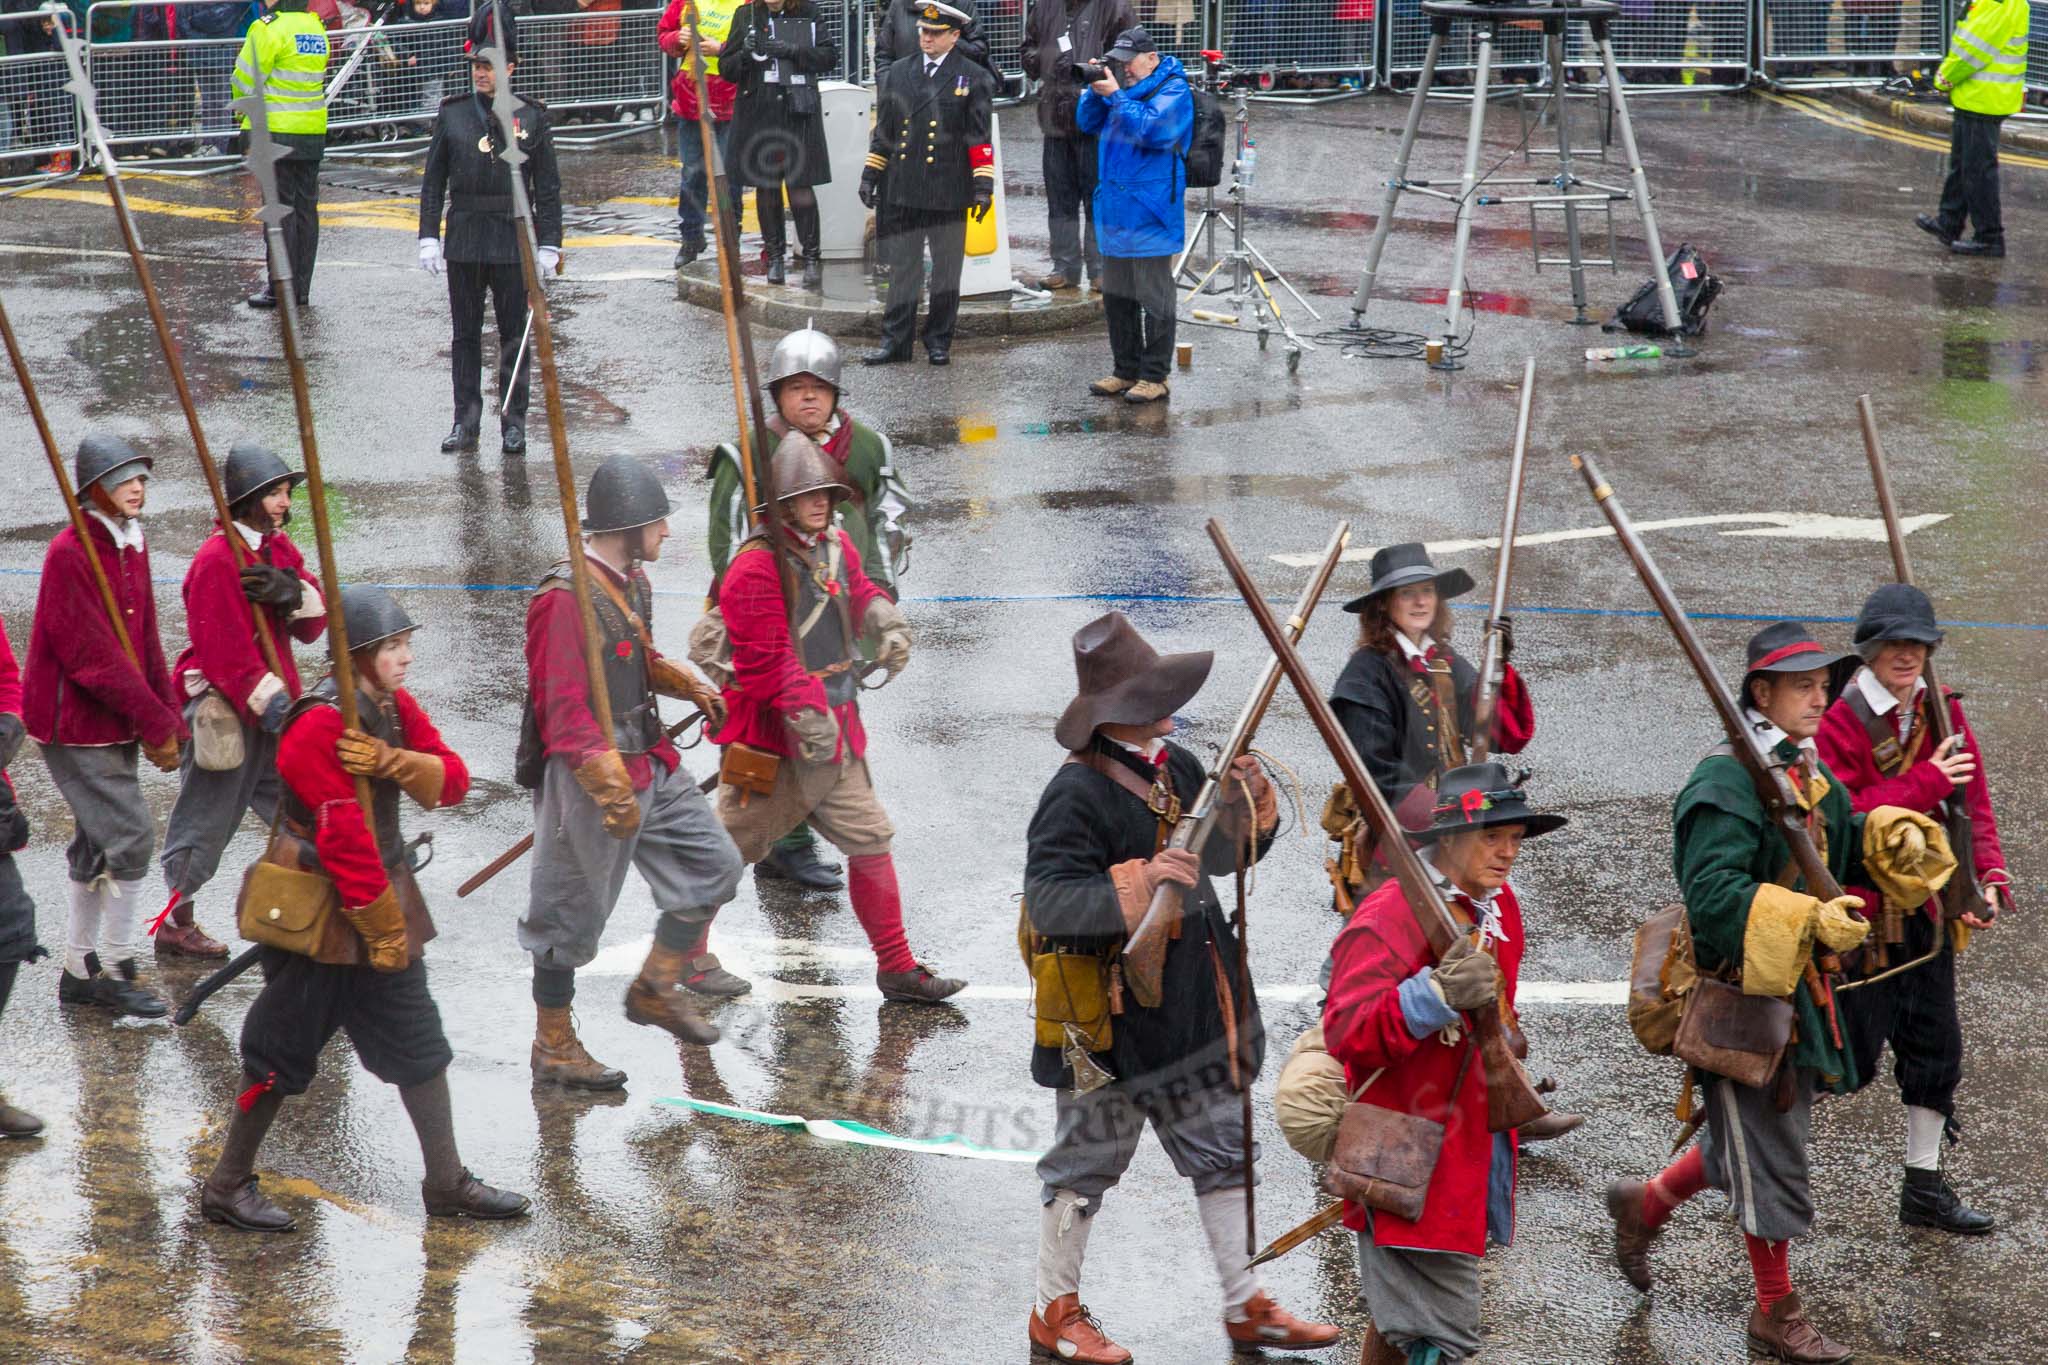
1891, 758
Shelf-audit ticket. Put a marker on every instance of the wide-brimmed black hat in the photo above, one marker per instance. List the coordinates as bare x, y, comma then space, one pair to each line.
1896, 611
1480, 795
1124, 681
1397, 566
1786, 647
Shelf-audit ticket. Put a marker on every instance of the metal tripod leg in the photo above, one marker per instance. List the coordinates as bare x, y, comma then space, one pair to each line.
1468, 184
1639, 188
1385, 225
1566, 181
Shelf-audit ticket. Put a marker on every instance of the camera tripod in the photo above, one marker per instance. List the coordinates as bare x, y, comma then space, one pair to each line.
1565, 192
1251, 276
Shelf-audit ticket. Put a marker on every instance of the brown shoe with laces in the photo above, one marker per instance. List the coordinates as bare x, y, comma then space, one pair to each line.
188, 940
1632, 1235
559, 1057
1066, 1330
1110, 387
1268, 1326
1785, 1334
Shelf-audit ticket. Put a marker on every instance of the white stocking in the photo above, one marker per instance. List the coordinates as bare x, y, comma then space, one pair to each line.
82, 933
1062, 1243
1223, 1220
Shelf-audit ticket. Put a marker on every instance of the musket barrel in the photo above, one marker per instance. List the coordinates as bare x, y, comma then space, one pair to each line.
1487, 699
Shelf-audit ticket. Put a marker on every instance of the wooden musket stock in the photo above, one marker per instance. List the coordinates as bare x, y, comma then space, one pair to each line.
1511, 1099
1486, 697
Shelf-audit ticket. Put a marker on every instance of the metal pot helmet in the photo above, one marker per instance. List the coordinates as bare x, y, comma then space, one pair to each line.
253, 469
808, 351
371, 615
102, 457
800, 467
623, 493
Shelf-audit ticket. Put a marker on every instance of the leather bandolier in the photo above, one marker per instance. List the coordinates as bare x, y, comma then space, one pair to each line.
1891, 758
623, 653
1435, 745
823, 619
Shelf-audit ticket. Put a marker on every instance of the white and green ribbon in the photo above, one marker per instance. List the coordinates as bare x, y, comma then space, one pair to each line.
858, 1134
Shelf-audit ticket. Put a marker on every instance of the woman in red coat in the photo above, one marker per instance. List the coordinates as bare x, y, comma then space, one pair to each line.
1394, 1019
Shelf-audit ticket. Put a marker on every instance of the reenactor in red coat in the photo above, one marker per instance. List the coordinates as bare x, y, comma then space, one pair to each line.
234, 704
1877, 738
17, 912
89, 706
364, 975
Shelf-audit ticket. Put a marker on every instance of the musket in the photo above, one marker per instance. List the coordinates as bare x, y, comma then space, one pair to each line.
1326, 1216
1486, 697
514, 157
82, 90
1511, 1099
1144, 954
263, 155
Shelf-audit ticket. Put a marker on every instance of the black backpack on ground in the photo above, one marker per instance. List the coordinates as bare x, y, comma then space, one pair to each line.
1694, 288
1205, 157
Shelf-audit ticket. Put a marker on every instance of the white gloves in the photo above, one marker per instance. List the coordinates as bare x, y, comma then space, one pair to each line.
430, 255
550, 258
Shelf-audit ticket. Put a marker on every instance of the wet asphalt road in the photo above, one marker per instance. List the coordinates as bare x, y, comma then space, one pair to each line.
664, 1235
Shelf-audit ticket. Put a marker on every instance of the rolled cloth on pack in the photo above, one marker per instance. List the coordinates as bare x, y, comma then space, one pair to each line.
1907, 855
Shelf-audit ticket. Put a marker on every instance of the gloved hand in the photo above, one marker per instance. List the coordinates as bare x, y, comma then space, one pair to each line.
270, 586
608, 783
870, 184
671, 679
272, 719
1466, 977
1507, 636
382, 926
816, 733
1175, 865
1837, 924
164, 756
984, 197
777, 47
363, 755
11, 735
890, 628
757, 41
430, 255
549, 260
420, 776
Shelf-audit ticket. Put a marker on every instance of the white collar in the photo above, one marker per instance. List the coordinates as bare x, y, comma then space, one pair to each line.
590, 552
1879, 696
1486, 906
251, 534
1410, 648
1770, 736
1149, 750
127, 534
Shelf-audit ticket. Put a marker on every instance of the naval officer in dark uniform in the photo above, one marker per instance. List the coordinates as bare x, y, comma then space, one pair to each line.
482, 251
932, 136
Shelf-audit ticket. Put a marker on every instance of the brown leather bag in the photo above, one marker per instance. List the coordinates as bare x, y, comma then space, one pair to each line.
1385, 1158
750, 770
1660, 976
284, 903
1742, 1037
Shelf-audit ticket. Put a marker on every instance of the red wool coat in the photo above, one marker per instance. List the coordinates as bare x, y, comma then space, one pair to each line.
682, 91
307, 764
770, 682
221, 621
1363, 1027
559, 680
80, 687
1845, 748
10, 687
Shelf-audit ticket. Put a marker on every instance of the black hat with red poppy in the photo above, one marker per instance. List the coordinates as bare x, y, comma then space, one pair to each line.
1480, 795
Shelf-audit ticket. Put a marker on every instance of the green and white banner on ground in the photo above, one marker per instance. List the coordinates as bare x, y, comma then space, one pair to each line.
859, 1134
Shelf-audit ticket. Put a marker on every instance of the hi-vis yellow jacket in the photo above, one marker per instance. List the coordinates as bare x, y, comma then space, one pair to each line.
1986, 66
290, 49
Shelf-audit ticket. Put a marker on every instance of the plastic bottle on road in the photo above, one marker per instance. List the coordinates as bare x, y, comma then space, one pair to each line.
1248, 164
1639, 351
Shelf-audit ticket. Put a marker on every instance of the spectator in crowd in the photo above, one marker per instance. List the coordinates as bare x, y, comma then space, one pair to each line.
33, 92
1143, 115
714, 22
774, 55
421, 51
1871, 26
1057, 35
222, 25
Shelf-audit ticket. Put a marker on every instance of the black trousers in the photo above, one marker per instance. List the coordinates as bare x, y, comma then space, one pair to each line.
944, 231
468, 282
298, 188
1915, 1012
803, 206
1137, 301
389, 1017
1070, 166
1971, 189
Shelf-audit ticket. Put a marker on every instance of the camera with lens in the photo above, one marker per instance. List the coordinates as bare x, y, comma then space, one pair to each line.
1087, 73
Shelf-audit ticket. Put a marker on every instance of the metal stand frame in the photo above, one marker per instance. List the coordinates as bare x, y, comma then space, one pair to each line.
1566, 191
1250, 276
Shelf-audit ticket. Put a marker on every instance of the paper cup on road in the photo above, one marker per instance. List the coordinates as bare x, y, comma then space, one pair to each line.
1184, 354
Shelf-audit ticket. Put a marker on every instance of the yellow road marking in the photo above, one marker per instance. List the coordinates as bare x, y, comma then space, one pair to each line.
1905, 137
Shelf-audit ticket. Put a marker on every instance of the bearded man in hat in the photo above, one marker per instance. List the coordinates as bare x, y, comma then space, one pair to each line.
805, 387
933, 137
1751, 921
365, 975
1097, 853
1395, 1018
795, 746
234, 704
91, 708
1878, 737
604, 803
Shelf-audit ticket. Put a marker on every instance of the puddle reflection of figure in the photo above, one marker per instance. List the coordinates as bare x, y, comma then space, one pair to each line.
17, 912
1096, 856
366, 975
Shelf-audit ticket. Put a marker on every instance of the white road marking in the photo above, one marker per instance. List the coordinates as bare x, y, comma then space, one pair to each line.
1785, 525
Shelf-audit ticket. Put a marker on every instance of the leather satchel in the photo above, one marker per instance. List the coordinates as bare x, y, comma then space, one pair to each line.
1384, 1158
1742, 1037
1661, 975
283, 904
749, 770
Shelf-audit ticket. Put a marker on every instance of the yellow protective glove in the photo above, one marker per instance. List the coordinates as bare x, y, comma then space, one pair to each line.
1837, 924
382, 926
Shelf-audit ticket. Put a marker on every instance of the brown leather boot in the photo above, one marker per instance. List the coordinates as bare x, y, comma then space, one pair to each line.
1632, 1236
1066, 1330
1552, 1125
559, 1057
918, 986
188, 940
1785, 1334
1379, 1351
1270, 1327
657, 997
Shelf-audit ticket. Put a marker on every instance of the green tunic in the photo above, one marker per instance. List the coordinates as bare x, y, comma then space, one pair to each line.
873, 518
1725, 845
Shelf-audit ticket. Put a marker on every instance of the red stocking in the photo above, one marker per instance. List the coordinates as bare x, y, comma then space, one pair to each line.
878, 905
1680, 1181
1771, 1263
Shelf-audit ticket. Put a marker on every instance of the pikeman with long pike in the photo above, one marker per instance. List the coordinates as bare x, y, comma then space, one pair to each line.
1892, 744
1143, 1007
1764, 840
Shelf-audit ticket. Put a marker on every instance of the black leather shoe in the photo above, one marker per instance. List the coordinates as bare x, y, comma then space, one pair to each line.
18, 1123
1927, 1200
688, 252
776, 273
814, 272
122, 991
78, 990
244, 1207
459, 437
886, 357
262, 298
515, 439
939, 357
802, 866
1977, 246
471, 1198
1931, 225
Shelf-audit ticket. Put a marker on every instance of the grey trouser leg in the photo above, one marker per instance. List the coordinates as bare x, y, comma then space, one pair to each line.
114, 831
1757, 1155
1097, 1133
210, 807
1427, 1296
689, 861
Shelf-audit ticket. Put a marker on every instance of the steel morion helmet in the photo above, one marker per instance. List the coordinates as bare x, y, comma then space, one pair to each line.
808, 351
253, 470
800, 467
371, 615
105, 458
623, 493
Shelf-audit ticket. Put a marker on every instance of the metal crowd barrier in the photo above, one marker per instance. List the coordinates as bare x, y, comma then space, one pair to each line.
1805, 41
2037, 52
166, 93
394, 91
1518, 51
1685, 44
1307, 47
39, 132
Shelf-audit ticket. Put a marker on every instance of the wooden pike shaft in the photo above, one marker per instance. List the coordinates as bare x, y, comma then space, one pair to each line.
1491, 665
1327, 1216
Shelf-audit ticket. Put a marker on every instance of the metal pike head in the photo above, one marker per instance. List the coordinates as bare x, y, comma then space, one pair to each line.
81, 88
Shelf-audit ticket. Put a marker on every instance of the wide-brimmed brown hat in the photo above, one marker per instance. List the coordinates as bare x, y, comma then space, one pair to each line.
1125, 681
